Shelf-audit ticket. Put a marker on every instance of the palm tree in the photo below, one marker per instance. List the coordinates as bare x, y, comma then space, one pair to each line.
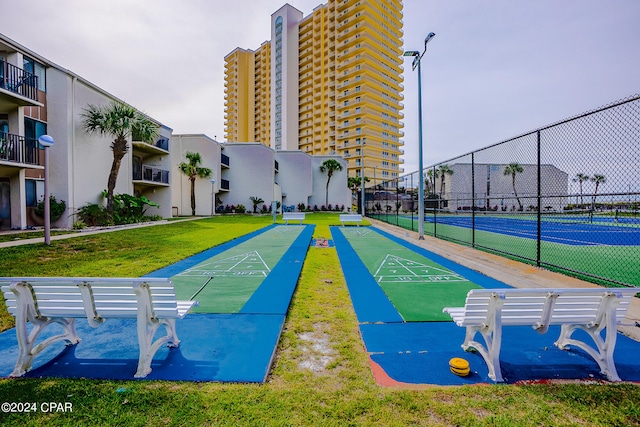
443, 171
430, 180
580, 178
193, 171
513, 169
329, 165
121, 122
354, 182
597, 179
256, 201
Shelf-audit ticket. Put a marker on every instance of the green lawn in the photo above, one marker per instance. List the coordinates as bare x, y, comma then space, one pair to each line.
342, 393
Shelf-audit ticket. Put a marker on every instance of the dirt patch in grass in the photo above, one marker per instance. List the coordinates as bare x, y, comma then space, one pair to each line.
316, 349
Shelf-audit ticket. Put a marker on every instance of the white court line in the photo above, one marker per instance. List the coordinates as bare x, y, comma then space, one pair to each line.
445, 275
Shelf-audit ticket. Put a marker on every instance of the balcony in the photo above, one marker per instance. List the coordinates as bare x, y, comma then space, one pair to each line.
161, 146
150, 175
20, 150
20, 86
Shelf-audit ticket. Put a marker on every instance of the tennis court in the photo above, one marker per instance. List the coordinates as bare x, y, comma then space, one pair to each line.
584, 229
598, 246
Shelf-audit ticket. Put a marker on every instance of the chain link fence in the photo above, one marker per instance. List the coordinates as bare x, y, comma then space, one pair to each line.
565, 197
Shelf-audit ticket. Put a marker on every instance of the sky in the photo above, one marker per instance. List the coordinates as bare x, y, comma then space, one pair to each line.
496, 68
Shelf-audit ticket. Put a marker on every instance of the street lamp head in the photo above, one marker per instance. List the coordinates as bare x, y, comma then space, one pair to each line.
411, 53
428, 38
46, 141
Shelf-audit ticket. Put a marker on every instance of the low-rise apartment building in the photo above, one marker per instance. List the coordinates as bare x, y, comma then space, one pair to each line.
38, 97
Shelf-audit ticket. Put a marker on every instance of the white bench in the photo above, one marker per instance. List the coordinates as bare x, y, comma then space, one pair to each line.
593, 310
46, 300
357, 218
293, 216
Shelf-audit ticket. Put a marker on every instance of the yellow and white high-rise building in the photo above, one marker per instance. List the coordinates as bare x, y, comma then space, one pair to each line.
326, 84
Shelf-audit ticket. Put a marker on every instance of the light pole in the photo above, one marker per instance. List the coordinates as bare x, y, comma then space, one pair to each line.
46, 141
417, 56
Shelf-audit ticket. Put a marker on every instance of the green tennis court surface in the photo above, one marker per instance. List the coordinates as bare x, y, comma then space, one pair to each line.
416, 286
224, 283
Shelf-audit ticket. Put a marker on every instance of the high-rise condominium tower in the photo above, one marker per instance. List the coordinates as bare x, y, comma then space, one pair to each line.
328, 83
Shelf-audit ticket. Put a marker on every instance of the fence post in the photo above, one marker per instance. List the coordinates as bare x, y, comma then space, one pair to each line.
435, 210
539, 192
473, 201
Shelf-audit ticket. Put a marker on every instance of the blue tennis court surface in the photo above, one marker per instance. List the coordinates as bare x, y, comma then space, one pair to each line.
560, 229
226, 347
402, 353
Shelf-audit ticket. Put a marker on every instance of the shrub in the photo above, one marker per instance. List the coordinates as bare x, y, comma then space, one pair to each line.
93, 214
56, 208
128, 209
241, 208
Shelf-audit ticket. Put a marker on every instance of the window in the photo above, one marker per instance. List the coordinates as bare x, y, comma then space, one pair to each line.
37, 69
34, 129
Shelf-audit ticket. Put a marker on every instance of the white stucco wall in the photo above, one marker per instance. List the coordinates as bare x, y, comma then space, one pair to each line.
295, 177
251, 173
80, 163
339, 193
210, 151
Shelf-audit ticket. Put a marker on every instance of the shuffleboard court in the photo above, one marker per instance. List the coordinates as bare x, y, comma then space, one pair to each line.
411, 353
244, 287
418, 287
225, 282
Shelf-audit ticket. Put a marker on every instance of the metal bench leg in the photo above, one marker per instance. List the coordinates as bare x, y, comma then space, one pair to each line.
148, 347
148, 324
491, 352
27, 312
603, 351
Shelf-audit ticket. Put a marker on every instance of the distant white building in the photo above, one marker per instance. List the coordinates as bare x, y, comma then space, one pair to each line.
493, 190
245, 170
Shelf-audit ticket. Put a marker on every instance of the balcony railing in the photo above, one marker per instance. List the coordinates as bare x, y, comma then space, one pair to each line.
151, 174
18, 81
163, 143
18, 149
